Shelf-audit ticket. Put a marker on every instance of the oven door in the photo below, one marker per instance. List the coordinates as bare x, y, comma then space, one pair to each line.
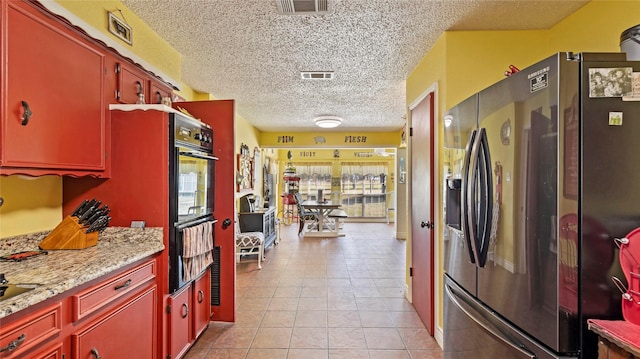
194, 185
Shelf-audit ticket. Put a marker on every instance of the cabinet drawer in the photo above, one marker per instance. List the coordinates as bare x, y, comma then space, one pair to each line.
127, 332
53, 352
30, 331
88, 301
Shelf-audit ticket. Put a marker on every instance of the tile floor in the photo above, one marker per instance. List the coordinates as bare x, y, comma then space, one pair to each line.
323, 298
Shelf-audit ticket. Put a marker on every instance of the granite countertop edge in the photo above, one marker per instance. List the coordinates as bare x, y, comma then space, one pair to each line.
62, 270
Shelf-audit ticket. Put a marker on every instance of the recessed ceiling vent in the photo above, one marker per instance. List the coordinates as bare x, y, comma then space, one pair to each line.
316, 75
303, 7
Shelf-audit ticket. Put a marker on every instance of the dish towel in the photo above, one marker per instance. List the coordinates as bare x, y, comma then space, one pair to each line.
197, 255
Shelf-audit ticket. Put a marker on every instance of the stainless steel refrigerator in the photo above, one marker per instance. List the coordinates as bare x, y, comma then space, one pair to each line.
549, 164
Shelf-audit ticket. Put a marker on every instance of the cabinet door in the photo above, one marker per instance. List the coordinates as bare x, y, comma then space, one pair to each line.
127, 332
201, 303
131, 83
180, 317
58, 77
157, 91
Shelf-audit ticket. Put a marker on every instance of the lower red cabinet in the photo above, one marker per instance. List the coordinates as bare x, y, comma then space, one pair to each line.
189, 314
201, 303
126, 332
180, 314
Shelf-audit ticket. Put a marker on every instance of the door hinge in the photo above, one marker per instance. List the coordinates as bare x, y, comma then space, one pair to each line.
117, 68
410, 271
117, 95
410, 131
168, 308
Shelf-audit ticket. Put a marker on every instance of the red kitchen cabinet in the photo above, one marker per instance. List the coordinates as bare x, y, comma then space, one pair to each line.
157, 91
180, 322
201, 303
126, 332
131, 84
53, 114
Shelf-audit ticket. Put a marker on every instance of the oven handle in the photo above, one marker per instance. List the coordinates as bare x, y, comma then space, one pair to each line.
197, 155
195, 223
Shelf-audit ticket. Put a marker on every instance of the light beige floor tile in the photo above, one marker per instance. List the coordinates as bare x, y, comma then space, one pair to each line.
346, 338
284, 304
267, 354
348, 354
311, 318
226, 354
399, 304
278, 319
314, 292
427, 354
248, 318
389, 354
343, 318
235, 338
273, 338
313, 303
307, 354
309, 338
342, 303
287, 292
383, 338
406, 319
376, 319
416, 338
371, 304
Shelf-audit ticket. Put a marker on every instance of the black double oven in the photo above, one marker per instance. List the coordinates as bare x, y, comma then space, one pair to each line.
191, 186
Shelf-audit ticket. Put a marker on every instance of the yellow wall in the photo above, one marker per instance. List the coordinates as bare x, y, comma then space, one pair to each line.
31, 204
464, 62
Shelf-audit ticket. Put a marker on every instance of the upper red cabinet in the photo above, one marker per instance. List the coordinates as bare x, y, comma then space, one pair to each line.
132, 85
53, 114
158, 91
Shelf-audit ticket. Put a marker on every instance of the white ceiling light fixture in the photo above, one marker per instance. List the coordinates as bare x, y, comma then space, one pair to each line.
327, 121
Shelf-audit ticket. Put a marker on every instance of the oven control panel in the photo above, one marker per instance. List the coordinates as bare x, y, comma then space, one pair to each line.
192, 133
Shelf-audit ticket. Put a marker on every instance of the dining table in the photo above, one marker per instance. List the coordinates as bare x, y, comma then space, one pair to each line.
323, 210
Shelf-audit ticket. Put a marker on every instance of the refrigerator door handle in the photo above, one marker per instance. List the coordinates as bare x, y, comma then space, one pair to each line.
485, 200
465, 209
472, 188
485, 324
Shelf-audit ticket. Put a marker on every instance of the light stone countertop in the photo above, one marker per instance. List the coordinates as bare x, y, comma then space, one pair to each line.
63, 270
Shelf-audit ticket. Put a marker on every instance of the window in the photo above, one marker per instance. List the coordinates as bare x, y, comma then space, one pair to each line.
364, 187
312, 178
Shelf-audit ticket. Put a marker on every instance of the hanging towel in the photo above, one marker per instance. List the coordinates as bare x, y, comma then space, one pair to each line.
197, 247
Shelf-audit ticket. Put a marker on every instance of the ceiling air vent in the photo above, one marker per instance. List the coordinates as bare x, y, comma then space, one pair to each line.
302, 6
316, 75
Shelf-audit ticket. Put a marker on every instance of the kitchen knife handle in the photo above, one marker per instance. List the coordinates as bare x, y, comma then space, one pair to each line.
26, 114
14, 344
126, 284
95, 353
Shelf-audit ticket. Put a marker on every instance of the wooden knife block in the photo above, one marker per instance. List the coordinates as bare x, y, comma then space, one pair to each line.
69, 234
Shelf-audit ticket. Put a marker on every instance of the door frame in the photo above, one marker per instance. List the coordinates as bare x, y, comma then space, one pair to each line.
437, 215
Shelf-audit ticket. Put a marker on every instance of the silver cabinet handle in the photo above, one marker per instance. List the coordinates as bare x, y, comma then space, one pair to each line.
14, 344
95, 353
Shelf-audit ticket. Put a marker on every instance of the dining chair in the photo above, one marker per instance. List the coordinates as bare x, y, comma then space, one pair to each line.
304, 215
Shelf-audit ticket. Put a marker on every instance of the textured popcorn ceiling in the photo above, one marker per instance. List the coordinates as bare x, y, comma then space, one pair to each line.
245, 50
